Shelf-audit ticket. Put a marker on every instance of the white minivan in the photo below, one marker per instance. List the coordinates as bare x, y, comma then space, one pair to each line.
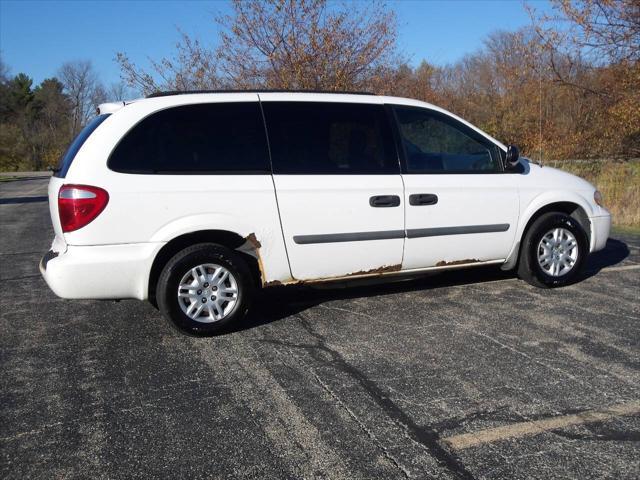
194, 200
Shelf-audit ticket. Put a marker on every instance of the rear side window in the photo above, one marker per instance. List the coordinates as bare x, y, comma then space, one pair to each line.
330, 138
436, 143
213, 138
70, 154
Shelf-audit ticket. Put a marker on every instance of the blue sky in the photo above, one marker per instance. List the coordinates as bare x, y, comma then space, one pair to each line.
36, 37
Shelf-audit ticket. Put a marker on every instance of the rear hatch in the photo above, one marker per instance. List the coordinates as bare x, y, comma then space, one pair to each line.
58, 180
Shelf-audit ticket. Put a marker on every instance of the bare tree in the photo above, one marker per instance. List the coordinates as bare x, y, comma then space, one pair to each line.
84, 90
288, 44
604, 31
306, 44
119, 92
592, 33
193, 67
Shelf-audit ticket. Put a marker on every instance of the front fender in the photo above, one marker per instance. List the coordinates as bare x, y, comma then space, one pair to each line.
547, 198
540, 200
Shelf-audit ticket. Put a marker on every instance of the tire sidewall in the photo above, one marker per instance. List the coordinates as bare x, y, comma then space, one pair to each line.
539, 229
184, 261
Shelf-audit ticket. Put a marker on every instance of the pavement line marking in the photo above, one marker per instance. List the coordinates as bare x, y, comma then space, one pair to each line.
536, 427
618, 269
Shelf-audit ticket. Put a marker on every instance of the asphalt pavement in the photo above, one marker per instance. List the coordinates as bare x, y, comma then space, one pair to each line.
460, 375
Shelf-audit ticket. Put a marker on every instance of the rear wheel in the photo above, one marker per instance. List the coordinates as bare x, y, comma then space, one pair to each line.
553, 251
204, 288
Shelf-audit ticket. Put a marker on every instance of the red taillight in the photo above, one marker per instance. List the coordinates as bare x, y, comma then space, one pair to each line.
78, 205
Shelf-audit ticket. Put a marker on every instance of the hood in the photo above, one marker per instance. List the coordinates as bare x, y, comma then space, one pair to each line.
553, 177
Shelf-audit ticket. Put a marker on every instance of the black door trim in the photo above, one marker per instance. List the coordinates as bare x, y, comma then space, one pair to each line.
348, 237
392, 234
436, 232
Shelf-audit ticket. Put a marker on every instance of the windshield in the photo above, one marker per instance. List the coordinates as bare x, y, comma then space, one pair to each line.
67, 158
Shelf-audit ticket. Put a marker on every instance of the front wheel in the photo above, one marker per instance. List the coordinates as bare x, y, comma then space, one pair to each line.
204, 288
553, 251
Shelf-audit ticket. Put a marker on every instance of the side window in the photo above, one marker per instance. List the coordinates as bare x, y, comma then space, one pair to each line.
437, 143
65, 161
330, 138
212, 138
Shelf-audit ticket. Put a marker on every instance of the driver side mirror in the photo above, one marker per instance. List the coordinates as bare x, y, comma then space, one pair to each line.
513, 155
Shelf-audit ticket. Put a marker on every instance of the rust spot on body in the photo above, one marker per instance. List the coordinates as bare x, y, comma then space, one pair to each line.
442, 263
376, 271
362, 273
255, 243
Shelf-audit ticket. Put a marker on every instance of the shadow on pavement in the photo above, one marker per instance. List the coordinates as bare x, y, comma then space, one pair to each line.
277, 303
15, 200
614, 252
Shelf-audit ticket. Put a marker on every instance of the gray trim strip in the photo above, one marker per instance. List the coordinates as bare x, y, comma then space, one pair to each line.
436, 232
348, 237
390, 234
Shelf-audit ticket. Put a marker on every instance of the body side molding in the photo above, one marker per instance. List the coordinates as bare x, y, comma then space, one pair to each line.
439, 231
391, 234
348, 237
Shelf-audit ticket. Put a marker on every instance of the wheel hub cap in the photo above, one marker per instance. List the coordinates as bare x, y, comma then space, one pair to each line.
208, 293
558, 252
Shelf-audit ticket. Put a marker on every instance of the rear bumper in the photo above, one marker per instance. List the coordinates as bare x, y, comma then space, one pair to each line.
600, 228
100, 272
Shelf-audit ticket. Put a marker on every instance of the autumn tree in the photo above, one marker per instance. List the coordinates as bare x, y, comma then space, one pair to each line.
593, 46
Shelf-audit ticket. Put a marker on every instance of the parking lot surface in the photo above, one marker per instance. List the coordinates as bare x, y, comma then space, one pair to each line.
461, 375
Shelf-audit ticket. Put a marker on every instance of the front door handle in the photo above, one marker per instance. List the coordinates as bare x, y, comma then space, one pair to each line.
384, 201
423, 199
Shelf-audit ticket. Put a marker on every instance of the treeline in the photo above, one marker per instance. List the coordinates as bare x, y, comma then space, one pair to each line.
37, 122
567, 86
510, 89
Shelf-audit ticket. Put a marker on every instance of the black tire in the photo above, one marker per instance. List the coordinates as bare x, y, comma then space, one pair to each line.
529, 268
180, 264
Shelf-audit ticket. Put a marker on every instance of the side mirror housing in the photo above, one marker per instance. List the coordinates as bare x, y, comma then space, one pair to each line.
512, 157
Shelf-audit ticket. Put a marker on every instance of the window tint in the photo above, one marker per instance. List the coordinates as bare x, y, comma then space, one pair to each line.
204, 138
70, 154
435, 142
330, 138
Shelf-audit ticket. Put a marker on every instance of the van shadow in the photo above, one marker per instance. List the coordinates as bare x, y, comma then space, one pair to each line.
277, 303
614, 252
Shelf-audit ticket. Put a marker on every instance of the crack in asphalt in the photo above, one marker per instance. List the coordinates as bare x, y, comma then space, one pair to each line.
425, 436
351, 413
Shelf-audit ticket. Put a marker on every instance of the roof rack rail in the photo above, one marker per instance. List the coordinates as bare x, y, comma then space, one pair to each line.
186, 92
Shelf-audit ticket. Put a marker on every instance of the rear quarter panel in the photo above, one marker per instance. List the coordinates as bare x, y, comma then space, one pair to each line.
157, 208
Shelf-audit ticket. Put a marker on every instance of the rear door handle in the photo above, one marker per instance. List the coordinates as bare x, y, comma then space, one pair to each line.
423, 199
384, 201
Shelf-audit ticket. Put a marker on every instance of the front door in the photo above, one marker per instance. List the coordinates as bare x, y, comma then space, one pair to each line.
461, 206
338, 187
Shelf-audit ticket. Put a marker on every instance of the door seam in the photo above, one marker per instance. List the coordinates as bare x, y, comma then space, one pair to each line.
275, 190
